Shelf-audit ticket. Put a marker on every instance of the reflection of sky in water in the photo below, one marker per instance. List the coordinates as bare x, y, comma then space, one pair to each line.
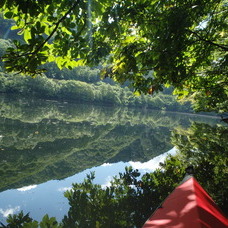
48, 197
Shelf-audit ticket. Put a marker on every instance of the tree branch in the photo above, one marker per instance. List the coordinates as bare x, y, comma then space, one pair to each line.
56, 27
224, 48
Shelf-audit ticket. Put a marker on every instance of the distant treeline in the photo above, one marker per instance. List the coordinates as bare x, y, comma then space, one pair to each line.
78, 91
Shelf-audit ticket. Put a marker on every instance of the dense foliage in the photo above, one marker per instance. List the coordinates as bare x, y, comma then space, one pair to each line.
150, 43
130, 199
4, 44
83, 73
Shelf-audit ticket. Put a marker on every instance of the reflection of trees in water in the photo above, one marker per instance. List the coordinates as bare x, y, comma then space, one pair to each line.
130, 200
36, 155
68, 138
206, 147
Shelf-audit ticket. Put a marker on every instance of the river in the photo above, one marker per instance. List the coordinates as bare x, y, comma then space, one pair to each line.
45, 146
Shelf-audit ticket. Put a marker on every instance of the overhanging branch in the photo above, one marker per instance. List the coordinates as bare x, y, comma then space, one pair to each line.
33, 53
223, 47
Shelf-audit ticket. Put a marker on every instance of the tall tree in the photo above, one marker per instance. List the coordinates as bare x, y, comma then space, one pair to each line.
151, 43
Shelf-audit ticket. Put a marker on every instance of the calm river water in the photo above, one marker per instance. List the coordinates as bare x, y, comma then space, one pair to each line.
45, 146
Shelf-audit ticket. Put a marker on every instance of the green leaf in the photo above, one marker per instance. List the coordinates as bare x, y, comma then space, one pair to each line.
33, 33
66, 30
9, 14
14, 27
27, 35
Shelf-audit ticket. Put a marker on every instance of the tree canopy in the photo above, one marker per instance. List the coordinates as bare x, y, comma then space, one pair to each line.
151, 43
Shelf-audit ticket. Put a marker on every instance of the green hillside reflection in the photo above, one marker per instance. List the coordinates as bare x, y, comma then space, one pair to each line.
46, 140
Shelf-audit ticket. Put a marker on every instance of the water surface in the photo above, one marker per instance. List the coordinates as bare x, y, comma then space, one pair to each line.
45, 146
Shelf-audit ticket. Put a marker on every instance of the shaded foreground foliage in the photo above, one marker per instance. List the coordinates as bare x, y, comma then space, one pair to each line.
131, 198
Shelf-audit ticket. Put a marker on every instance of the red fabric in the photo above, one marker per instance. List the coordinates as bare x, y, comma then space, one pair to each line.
188, 206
